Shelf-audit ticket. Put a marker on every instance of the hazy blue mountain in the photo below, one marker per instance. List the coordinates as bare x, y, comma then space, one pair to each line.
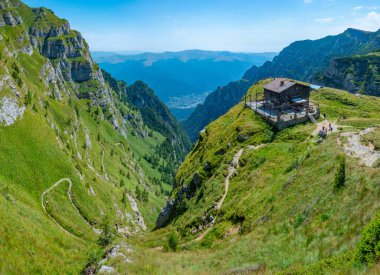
181, 79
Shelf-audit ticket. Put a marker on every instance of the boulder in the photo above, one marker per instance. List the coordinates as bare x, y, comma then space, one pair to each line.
322, 134
241, 138
220, 152
207, 166
104, 269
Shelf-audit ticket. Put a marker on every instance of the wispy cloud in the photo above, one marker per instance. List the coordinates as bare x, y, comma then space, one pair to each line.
324, 20
307, 1
357, 8
368, 22
372, 20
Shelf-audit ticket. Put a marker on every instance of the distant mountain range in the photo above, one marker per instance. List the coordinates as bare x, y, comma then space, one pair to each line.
303, 60
181, 79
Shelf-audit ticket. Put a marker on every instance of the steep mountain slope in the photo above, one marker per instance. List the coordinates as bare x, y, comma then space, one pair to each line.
357, 74
158, 118
182, 79
300, 60
251, 199
72, 170
216, 104
303, 59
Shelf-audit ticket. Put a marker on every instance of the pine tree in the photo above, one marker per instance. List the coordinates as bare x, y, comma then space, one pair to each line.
172, 242
340, 176
124, 198
138, 193
107, 234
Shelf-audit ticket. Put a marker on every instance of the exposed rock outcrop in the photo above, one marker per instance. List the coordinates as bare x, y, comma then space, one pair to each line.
10, 110
7, 18
173, 206
356, 74
165, 214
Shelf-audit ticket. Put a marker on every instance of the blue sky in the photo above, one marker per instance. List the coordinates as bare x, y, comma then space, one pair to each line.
234, 25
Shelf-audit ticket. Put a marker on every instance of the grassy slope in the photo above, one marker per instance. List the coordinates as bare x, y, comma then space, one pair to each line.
34, 155
282, 201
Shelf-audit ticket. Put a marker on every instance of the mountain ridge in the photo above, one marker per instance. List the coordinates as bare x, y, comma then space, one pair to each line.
291, 62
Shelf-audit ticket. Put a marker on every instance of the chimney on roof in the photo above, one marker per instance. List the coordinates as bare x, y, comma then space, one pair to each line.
282, 82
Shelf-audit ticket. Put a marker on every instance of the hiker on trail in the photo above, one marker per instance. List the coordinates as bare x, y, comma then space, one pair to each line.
324, 115
330, 127
323, 128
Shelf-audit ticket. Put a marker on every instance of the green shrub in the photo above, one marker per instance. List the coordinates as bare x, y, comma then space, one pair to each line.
376, 164
124, 198
172, 242
369, 246
340, 176
29, 98
122, 183
107, 234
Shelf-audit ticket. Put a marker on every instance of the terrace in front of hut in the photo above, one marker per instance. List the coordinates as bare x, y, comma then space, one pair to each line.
285, 103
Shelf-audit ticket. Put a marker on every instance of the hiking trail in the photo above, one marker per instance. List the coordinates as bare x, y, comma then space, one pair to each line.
97, 231
234, 164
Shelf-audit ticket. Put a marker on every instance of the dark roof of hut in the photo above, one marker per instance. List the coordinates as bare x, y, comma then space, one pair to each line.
279, 85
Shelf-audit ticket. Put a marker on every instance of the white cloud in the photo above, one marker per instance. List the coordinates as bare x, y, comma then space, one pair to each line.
357, 8
373, 20
307, 1
324, 20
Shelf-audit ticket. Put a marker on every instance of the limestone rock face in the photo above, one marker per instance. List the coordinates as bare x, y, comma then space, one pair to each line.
61, 47
9, 20
81, 71
69, 66
172, 206
165, 214
356, 74
10, 110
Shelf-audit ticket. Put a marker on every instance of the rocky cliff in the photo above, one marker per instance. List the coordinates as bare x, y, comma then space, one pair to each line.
357, 74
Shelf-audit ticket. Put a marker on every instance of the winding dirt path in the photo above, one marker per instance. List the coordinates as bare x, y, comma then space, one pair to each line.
231, 170
234, 164
97, 231
44, 207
